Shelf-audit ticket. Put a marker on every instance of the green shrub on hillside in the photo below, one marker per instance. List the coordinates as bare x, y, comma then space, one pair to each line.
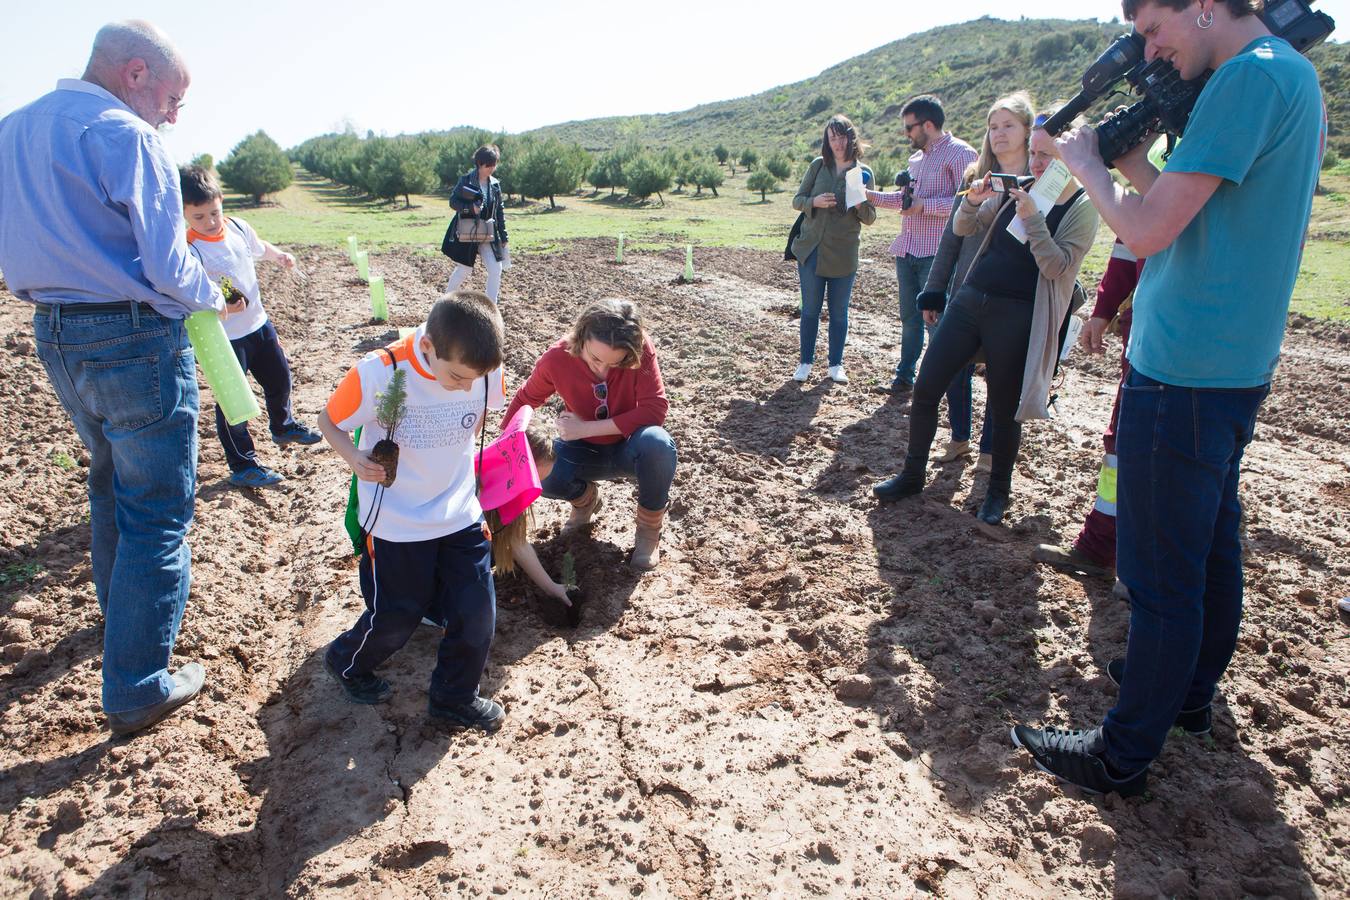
550, 167
647, 175
704, 174
763, 182
257, 167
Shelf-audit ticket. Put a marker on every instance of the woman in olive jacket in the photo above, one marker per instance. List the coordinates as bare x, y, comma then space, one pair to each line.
478, 194
827, 247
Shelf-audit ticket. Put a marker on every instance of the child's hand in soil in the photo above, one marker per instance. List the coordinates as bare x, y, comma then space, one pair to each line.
366, 468
559, 592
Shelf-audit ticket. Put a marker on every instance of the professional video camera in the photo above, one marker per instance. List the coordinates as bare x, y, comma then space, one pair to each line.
1167, 100
905, 182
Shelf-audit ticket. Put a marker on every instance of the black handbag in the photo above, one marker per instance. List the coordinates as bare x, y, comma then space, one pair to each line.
796, 230
788, 255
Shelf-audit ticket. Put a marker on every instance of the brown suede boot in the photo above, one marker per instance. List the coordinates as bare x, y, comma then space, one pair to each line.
583, 508
647, 541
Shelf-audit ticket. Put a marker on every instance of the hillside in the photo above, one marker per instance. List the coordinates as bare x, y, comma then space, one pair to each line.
967, 65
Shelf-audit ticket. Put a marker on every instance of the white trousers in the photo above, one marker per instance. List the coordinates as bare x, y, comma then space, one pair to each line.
494, 272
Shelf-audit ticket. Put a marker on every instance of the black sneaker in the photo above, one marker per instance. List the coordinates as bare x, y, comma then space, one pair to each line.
481, 713
368, 688
1077, 757
900, 387
297, 433
1195, 722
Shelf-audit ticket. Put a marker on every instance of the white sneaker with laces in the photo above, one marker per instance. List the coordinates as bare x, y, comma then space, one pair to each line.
803, 372
837, 375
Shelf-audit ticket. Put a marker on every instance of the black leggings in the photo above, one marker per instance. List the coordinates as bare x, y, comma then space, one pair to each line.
974, 319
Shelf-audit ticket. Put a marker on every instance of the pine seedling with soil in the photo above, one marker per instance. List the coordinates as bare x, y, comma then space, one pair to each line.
392, 406
232, 293
569, 580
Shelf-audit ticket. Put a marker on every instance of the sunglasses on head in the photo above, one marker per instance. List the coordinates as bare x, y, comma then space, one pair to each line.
601, 392
1040, 120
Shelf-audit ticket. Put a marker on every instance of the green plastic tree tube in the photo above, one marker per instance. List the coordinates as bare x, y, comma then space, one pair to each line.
618, 257
363, 264
379, 310
221, 367
688, 262
351, 247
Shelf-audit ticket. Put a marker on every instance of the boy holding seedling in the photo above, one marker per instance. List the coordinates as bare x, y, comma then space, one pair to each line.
227, 247
427, 550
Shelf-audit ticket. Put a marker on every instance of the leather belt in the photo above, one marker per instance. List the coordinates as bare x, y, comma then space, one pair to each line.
83, 309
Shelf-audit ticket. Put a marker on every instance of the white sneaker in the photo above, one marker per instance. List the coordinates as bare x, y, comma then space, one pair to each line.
803, 372
837, 375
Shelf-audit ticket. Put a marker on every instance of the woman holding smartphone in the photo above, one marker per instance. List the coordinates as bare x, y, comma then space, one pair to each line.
1012, 305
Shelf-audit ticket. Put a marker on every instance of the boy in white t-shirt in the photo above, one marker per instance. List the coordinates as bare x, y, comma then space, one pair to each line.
427, 550
227, 247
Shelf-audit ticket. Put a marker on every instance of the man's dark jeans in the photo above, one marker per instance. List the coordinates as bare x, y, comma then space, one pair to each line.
1178, 552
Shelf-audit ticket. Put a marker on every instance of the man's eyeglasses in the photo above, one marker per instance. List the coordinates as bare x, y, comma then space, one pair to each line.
601, 392
175, 103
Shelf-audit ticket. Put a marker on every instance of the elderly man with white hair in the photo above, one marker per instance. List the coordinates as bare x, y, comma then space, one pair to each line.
91, 234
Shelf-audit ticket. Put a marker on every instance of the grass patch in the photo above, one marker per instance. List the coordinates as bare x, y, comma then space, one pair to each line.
1323, 287
18, 574
314, 210
63, 460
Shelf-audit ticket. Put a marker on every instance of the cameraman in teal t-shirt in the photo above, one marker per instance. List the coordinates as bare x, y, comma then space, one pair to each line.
1223, 227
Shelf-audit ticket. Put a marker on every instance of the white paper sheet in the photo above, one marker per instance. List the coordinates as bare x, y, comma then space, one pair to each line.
854, 192
1044, 192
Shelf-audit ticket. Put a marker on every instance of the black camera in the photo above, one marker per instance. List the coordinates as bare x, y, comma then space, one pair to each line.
1167, 100
1000, 181
905, 182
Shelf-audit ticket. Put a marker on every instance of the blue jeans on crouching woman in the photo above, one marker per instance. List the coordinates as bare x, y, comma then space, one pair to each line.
128, 381
648, 455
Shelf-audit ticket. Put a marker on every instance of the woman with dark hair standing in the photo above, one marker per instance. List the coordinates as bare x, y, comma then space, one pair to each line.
1013, 305
608, 377
827, 247
478, 194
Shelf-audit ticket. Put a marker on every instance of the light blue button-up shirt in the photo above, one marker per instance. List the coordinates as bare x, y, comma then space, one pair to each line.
90, 207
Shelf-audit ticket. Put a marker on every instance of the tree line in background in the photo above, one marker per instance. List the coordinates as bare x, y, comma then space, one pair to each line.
530, 167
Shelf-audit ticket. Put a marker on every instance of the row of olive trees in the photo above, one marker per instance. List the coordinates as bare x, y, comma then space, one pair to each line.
389, 167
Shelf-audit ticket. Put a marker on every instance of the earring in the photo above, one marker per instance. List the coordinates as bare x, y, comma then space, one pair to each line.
1205, 19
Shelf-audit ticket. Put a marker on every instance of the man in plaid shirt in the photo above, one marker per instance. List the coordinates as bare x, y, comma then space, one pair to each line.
936, 168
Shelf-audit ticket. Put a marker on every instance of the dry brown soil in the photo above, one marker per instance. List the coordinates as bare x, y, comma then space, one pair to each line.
809, 697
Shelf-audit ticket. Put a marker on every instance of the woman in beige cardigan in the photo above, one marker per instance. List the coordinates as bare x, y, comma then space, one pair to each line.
1012, 304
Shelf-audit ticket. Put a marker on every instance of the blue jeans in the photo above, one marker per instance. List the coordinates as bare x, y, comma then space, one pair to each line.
912, 274
648, 455
128, 382
815, 288
1178, 551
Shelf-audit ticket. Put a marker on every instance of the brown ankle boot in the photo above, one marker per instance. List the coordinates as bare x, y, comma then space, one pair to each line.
583, 508
647, 541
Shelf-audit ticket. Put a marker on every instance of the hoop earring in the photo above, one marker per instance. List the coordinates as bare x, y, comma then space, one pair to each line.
1204, 20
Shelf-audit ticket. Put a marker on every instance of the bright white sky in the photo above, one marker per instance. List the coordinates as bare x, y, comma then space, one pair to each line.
298, 70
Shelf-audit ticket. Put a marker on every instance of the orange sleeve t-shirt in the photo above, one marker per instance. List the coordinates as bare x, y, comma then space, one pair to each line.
433, 493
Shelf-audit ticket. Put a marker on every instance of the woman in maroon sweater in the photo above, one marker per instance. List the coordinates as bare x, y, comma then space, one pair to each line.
606, 373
